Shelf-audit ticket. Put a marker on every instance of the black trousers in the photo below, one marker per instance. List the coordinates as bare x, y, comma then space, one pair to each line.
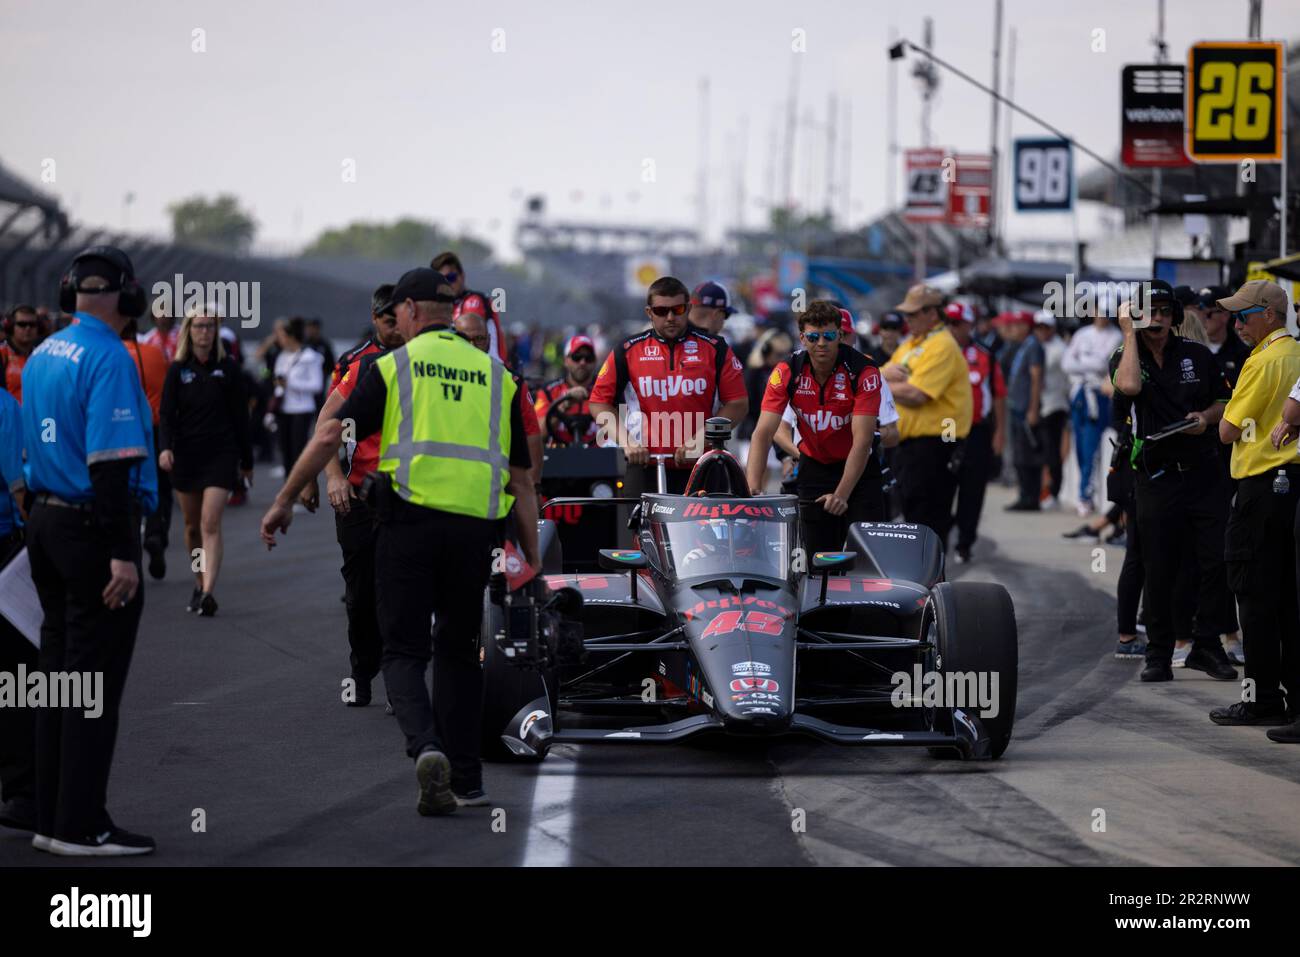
1028, 451
1260, 552
294, 431
435, 565
1132, 576
74, 753
158, 525
926, 483
1053, 430
972, 482
1182, 514
17, 725
356, 536
823, 532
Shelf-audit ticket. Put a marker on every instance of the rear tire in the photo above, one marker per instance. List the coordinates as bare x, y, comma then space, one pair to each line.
975, 626
506, 689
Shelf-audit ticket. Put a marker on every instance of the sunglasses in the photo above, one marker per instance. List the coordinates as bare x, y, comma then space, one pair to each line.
663, 312
24, 325
1240, 317
816, 337
451, 276
583, 357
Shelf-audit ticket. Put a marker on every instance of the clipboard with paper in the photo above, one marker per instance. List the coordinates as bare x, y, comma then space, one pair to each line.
19, 603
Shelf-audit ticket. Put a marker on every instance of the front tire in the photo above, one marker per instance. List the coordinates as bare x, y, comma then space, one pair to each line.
975, 628
506, 689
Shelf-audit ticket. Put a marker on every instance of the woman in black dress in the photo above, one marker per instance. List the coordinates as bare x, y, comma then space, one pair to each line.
204, 442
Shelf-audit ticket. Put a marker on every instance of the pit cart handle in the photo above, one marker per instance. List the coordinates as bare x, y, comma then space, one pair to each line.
661, 470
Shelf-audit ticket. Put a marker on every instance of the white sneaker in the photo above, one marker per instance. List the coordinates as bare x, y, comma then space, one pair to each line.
1083, 509
1180, 655
1233, 648
1051, 504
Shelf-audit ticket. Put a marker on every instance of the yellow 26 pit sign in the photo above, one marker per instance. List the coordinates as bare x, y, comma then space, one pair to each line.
1235, 93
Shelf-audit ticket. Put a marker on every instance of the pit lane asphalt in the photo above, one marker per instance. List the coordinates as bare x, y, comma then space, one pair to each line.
240, 716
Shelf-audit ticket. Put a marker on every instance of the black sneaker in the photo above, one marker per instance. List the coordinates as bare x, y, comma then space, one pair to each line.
1287, 734
1213, 661
433, 771
196, 597
19, 813
473, 797
363, 694
1118, 540
1157, 669
157, 560
113, 843
1250, 713
208, 606
1022, 507
1083, 531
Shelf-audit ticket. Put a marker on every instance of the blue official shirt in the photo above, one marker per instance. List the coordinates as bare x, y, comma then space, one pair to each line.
83, 404
11, 461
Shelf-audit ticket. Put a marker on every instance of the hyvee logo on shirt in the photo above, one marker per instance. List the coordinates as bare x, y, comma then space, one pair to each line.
671, 387
822, 420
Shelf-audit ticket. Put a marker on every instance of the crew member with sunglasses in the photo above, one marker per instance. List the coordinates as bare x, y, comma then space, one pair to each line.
1179, 479
666, 380
931, 384
1261, 546
470, 300
23, 334
575, 385
835, 392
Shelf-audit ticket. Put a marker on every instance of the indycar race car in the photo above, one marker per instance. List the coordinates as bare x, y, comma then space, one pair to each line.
717, 622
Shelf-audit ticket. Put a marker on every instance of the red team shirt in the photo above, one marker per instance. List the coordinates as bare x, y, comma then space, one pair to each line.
986, 381
657, 377
825, 412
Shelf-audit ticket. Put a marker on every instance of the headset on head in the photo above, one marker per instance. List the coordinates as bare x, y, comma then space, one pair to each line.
131, 299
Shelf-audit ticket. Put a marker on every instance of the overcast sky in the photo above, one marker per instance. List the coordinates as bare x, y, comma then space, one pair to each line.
441, 125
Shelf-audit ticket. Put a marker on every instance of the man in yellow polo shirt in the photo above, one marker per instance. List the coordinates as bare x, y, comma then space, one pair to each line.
931, 385
1260, 548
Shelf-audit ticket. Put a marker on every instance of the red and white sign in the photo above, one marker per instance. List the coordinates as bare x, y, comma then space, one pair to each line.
927, 190
971, 190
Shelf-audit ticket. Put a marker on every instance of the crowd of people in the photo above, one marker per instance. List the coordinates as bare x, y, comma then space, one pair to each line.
433, 426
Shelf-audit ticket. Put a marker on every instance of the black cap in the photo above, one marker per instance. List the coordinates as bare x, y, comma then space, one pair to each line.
421, 284
1158, 288
891, 320
1185, 295
1210, 295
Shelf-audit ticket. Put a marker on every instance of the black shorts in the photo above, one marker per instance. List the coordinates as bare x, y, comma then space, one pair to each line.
193, 471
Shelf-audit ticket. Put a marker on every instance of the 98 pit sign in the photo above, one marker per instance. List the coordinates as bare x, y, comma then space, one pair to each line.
1235, 91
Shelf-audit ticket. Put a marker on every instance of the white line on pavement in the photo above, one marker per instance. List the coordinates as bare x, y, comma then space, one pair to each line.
550, 821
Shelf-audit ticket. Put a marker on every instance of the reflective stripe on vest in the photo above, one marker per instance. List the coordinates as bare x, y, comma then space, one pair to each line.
441, 480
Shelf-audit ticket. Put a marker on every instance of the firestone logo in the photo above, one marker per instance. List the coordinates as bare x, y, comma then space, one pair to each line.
671, 387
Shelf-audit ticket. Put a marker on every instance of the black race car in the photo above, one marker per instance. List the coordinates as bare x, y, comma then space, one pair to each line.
718, 622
